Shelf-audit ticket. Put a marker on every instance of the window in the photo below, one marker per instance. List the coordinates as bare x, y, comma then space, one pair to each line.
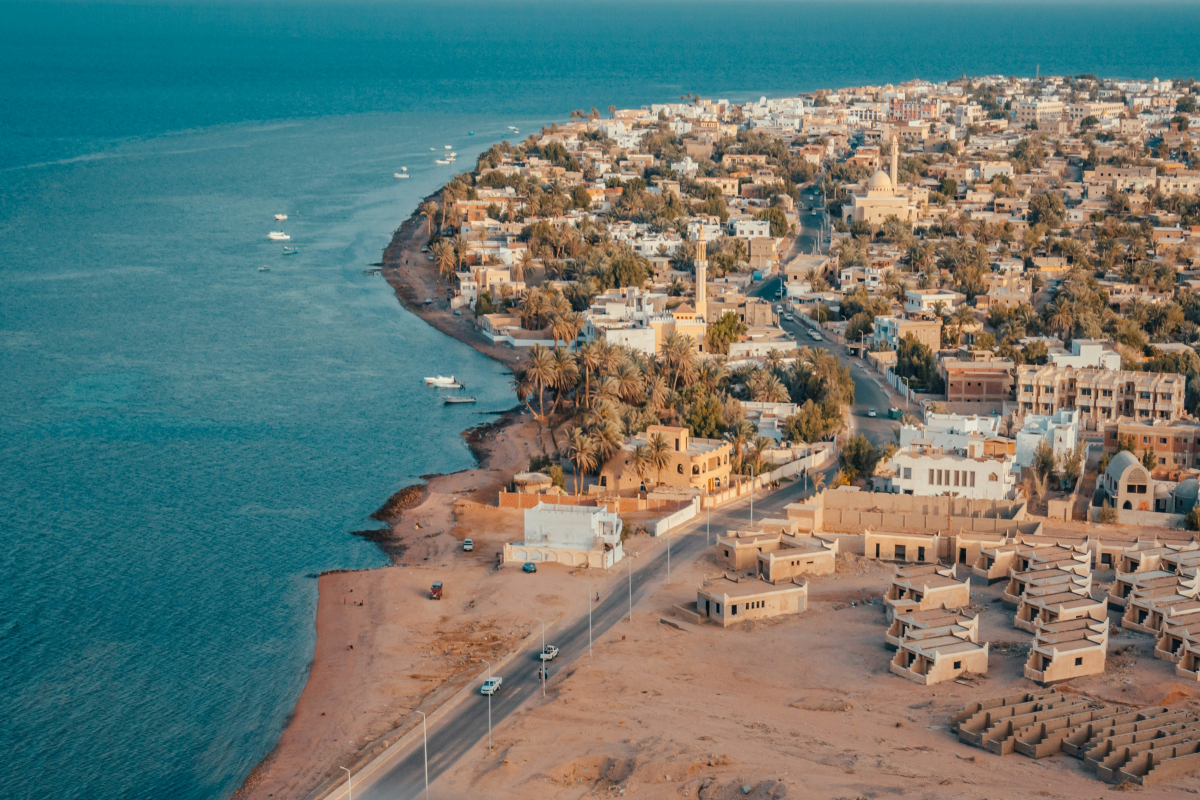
1079, 661
907, 472
993, 477
958, 665
931, 477
900, 552
727, 554
679, 468
920, 554
733, 609
1085, 392
1162, 440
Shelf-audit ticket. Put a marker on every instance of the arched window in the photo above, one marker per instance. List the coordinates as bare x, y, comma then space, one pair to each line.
679, 468
1128, 506
695, 469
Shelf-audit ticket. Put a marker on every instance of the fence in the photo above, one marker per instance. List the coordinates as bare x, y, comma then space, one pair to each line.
676, 519
617, 505
821, 455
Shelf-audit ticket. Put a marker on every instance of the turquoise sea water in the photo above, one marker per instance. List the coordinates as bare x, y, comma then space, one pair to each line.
183, 438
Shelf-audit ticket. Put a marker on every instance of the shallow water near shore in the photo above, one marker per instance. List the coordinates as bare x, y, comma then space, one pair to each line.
184, 438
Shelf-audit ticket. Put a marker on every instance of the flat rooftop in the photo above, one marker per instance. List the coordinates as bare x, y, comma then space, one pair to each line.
738, 590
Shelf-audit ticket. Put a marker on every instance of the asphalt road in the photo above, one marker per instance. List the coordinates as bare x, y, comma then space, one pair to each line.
466, 726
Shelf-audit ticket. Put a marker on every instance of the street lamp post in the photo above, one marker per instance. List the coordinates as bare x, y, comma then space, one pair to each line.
589, 602
708, 528
752, 501
425, 740
349, 788
631, 587
539, 619
668, 557
907, 391
484, 660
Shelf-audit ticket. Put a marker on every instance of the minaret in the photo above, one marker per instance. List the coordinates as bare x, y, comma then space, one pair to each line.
701, 275
895, 151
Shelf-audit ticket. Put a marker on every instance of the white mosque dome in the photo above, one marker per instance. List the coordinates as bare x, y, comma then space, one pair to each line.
880, 184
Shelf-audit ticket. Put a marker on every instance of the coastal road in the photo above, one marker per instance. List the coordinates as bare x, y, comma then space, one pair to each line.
453, 736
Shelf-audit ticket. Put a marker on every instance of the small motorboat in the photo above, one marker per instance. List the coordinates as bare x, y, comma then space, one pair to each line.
447, 147
441, 380
453, 401
290, 251
400, 175
265, 268
440, 161
280, 217
278, 236
455, 385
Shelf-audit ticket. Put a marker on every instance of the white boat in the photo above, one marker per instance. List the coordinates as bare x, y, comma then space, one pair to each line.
278, 236
400, 175
265, 268
453, 154
447, 147
440, 161
280, 217
440, 380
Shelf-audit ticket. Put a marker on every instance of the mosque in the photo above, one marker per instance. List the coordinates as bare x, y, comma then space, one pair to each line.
880, 200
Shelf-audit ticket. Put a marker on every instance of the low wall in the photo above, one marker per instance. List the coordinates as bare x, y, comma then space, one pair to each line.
616, 505
814, 461
674, 520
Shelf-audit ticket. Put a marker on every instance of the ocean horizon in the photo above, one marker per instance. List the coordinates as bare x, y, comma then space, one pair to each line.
187, 439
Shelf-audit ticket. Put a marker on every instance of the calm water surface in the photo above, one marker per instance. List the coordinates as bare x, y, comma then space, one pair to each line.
184, 439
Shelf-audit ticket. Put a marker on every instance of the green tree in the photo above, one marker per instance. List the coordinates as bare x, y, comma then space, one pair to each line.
724, 331
859, 457
1149, 459
779, 223
915, 361
706, 419
1043, 460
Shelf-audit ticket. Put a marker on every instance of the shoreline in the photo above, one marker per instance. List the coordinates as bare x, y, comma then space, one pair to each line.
435, 502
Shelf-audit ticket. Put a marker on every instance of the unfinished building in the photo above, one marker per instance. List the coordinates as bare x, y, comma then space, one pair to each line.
923, 588
999, 562
1057, 604
1042, 581
1148, 614
777, 556
729, 600
1175, 637
1065, 650
1149, 746
916, 624
1188, 665
929, 657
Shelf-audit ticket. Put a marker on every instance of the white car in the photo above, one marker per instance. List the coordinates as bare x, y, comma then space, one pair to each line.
491, 685
468, 545
549, 653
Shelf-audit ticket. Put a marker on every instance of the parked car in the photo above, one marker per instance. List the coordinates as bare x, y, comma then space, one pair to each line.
529, 566
435, 591
491, 685
548, 653
468, 545
871, 412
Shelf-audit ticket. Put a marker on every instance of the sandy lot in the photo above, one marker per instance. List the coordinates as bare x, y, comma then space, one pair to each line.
797, 707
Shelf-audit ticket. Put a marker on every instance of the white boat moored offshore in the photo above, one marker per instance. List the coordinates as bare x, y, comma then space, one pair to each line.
447, 147
265, 268
278, 236
440, 161
440, 380
280, 217
456, 400
399, 174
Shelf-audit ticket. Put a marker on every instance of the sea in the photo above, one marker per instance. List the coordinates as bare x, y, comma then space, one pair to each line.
188, 439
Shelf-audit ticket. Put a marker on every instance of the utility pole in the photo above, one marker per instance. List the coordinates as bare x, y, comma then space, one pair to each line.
589, 602
631, 588
708, 528
349, 788
425, 740
539, 619
752, 501
668, 557
484, 660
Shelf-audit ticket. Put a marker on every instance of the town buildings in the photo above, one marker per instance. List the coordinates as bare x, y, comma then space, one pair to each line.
1100, 395
700, 464
980, 471
571, 535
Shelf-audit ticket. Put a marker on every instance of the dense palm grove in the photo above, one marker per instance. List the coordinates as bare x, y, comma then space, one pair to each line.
599, 395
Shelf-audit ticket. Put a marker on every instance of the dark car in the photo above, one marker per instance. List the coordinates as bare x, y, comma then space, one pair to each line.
529, 566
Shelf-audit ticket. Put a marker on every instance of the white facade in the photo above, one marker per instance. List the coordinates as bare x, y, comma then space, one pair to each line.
752, 228
1061, 430
926, 299
630, 334
569, 535
932, 472
1087, 353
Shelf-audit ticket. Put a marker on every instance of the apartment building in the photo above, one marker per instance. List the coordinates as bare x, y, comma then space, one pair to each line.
983, 471
1039, 111
890, 331
983, 378
1175, 442
1100, 395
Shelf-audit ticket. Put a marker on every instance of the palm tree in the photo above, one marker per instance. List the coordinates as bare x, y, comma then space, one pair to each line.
739, 435
541, 374
582, 452
761, 445
641, 462
659, 453
443, 257
589, 359
461, 246
818, 479
428, 210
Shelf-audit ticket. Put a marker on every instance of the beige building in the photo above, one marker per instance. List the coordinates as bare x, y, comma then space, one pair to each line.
701, 464
1101, 396
880, 199
939, 658
1057, 606
1065, 650
727, 601
918, 624
923, 588
776, 557
983, 378
890, 331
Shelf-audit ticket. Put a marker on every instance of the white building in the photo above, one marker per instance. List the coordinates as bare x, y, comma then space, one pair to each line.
1061, 430
951, 431
1087, 353
926, 299
751, 228
571, 535
974, 473
769, 417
